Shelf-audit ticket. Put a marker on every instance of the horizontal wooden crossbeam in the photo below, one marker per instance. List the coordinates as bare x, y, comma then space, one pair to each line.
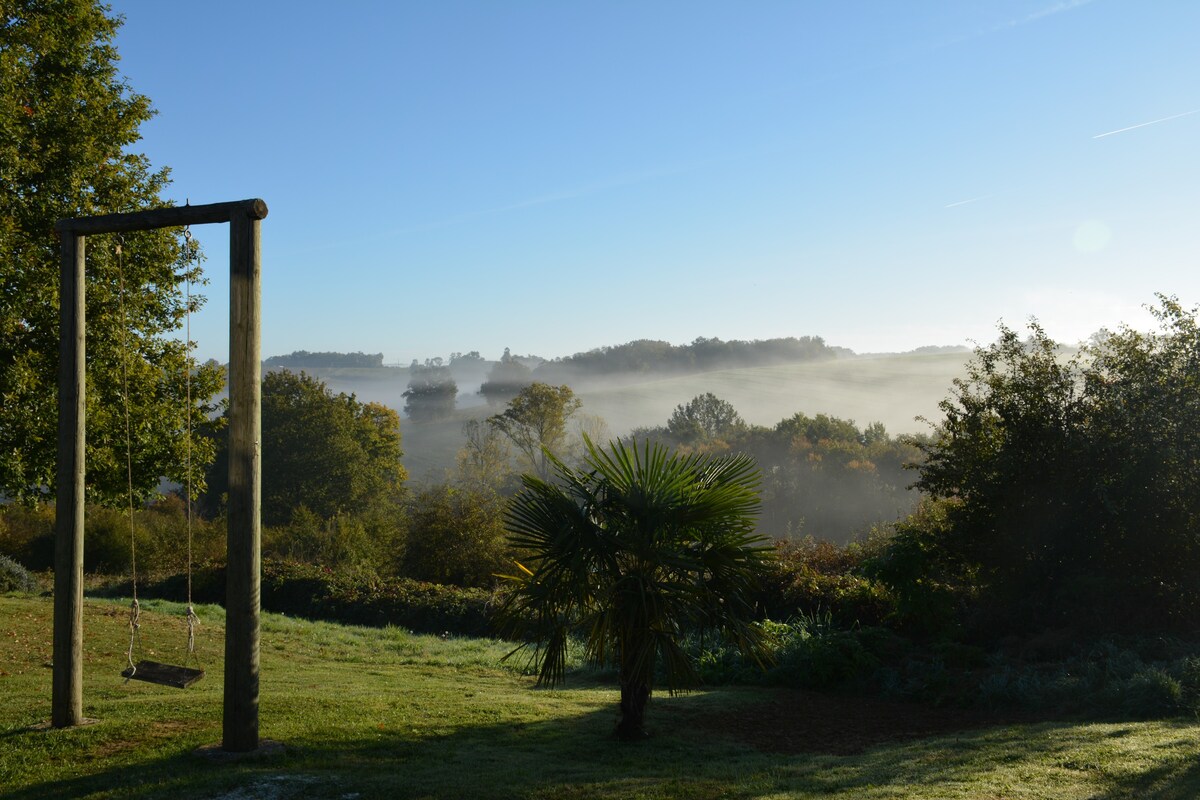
171, 217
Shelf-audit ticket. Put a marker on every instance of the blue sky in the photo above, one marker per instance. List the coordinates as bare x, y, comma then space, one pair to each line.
557, 176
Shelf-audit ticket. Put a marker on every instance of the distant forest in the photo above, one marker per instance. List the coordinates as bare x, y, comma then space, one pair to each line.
702, 355
303, 358
640, 356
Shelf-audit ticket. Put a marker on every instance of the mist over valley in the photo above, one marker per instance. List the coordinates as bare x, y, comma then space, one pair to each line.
898, 390
634, 389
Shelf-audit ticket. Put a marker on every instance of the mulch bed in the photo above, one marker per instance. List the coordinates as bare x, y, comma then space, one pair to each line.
795, 721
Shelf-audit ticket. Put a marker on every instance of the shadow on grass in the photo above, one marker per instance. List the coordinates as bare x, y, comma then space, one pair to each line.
576, 757
1176, 778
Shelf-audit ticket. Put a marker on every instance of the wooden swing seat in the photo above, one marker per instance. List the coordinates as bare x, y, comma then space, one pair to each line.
163, 674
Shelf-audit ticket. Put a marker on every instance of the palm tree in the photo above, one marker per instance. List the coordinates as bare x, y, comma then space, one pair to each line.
631, 551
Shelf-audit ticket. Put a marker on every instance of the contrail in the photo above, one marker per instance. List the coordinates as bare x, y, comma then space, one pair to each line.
1144, 124
1057, 8
964, 202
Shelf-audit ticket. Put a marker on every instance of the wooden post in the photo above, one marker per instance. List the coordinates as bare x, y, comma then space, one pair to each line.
243, 570
67, 690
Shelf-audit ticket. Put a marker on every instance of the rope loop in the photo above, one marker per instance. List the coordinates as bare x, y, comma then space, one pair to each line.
135, 614
193, 622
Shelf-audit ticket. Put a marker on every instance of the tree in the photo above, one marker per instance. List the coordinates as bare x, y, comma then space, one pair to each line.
67, 119
456, 535
536, 422
630, 552
505, 379
470, 358
484, 461
1069, 484
327, 453
703, 418
431, 391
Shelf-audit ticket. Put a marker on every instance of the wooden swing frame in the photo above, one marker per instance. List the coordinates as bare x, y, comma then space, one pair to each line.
243, 569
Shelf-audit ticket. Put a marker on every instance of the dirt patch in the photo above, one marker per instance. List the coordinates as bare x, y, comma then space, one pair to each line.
793, 721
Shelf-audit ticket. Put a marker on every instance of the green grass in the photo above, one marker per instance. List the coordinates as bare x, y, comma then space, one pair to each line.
382, 713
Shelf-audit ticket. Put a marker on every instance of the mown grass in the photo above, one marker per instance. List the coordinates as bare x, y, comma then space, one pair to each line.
382, 713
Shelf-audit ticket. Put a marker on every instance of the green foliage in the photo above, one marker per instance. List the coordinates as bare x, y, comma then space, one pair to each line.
484, 463
159, 534
1104, 680
344, 594
67, 119
629, 552
1073, 481
431, 391
927, 586
807, 652
15, 578
27, 534
822, 476
303, 358
650, 356
369, 539
456, 535
363, 599
703, 418
506, 379
328, 453
809, 577
536, 423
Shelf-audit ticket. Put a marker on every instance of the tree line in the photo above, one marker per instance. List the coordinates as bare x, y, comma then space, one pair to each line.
300, 359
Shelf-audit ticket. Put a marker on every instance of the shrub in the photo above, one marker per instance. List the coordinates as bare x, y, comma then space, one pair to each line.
456, 535
363, 599
822, 660
808, 652
1105, 680
27, 534
1151, 693
369, 540
15, 578
811, 577
347, 595
927, 587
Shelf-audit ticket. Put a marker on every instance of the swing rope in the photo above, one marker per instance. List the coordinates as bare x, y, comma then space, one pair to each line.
135, 611
192, 620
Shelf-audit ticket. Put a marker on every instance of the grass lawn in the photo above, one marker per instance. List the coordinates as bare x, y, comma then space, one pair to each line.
381, 713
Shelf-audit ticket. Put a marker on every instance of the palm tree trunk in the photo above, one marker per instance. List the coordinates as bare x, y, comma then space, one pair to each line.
635, 694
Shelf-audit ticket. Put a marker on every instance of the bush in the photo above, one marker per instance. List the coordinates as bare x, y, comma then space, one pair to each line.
160, 530
810, 577
927, 588
816, 657
1105, 680
15, 578
363, 599
27, 534
809, 652
350, 596
370, 540
456, 535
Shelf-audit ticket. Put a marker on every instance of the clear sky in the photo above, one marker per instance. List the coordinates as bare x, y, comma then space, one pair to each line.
557, 176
